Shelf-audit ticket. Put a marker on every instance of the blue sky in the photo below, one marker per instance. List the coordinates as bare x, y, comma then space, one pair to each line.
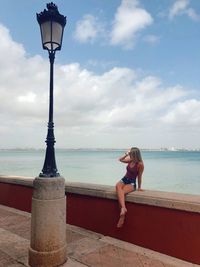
127, 74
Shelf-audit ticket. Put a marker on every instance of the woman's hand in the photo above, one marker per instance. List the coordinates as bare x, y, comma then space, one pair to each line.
127, 153
140, 189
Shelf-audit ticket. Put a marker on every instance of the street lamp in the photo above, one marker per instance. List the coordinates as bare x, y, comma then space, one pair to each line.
48, 245
52, 25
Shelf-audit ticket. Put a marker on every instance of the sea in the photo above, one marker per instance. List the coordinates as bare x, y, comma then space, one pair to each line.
171, 171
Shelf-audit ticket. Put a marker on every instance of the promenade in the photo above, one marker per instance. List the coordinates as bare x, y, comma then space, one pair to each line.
85, 248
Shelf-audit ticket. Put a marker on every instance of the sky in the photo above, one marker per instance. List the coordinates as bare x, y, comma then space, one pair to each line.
127, 75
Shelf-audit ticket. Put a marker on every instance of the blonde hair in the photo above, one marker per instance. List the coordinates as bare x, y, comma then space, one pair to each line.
135, 154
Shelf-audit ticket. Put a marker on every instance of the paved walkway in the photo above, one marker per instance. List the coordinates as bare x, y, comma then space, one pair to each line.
85, 248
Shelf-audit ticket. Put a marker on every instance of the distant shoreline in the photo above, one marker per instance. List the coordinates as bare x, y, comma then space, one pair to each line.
105, 149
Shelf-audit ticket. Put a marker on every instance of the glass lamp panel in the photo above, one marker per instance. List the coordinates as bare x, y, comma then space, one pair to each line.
57, 30
46, 34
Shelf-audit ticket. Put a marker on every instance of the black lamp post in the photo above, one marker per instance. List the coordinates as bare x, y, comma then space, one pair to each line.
52, 25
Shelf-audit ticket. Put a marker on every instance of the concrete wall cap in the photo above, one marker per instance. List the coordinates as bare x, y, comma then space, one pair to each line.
19, 180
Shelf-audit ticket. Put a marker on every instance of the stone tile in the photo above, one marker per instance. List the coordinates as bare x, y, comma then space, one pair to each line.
84, 232
4, 213
5, 259
149, 257
73, 236
73, 263
24, 260
149, 262
111, 256
13, 245
83, 246
15, 265
15, 211
15, 223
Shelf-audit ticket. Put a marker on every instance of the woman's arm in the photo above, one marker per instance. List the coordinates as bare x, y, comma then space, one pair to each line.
125, 158
141, 169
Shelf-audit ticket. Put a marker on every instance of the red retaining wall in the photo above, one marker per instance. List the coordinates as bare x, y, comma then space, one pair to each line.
16, 196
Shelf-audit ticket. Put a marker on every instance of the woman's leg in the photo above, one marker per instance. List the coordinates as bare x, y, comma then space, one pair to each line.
120, 194
122, 190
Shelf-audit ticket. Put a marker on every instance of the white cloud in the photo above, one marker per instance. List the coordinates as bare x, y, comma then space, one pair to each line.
29, 98
108, 109
88, 29
181, 7
184, 112
152, 39
129, 20
178, 7
192, 14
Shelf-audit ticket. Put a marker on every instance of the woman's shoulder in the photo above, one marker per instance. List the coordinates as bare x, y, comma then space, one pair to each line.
140, 164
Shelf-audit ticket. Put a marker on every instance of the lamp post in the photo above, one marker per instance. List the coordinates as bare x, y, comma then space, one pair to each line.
52, 25
48, 215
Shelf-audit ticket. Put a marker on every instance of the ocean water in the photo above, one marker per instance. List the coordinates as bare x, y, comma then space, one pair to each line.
172, 171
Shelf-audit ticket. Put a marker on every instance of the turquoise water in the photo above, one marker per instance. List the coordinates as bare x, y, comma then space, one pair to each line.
174, 171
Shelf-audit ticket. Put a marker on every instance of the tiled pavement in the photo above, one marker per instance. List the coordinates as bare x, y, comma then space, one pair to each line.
85, 248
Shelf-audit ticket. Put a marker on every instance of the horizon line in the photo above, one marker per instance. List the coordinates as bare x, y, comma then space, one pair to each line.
106, 148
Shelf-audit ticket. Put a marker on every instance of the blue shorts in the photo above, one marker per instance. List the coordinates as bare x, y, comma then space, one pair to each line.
126, 180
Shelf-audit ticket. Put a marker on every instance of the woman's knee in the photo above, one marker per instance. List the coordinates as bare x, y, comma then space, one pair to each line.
119, 186
128, 188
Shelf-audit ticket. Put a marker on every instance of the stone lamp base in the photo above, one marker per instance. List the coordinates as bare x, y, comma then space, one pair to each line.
48, 223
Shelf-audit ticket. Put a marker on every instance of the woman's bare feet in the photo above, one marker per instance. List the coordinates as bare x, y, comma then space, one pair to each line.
123, 211
122, 217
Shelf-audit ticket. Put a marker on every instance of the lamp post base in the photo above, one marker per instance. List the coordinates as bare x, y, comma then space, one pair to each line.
48, 223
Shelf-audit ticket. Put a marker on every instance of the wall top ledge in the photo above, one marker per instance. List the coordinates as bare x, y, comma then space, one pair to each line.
185, 202
19, 180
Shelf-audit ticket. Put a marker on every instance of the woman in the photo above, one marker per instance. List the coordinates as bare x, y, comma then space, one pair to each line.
127, 184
